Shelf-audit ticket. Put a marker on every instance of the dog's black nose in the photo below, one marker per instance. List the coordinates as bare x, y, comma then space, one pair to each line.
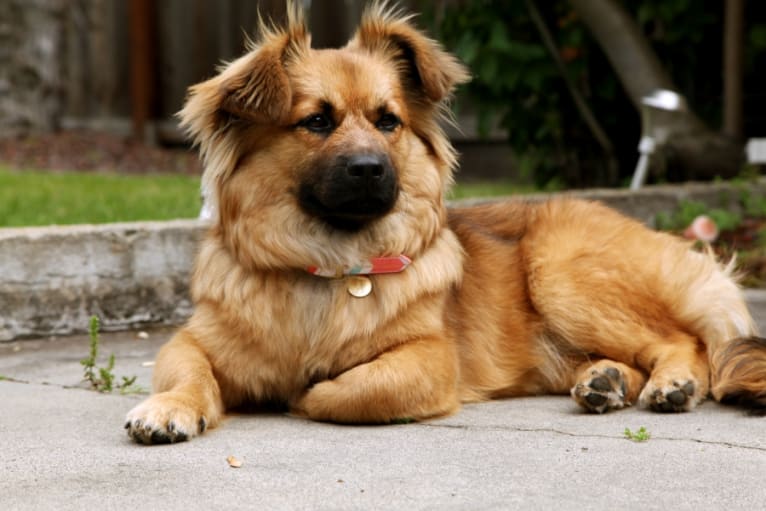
365, 167
353, 190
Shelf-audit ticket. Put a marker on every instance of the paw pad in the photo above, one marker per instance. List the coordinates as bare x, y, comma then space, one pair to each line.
674, 398
603, 391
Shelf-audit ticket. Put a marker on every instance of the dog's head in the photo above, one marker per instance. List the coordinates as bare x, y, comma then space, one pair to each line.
324, 156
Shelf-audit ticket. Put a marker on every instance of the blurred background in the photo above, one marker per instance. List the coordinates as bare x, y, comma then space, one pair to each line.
555, 103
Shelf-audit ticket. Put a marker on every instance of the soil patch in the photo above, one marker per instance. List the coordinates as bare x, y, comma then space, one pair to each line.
84, 150
748, 242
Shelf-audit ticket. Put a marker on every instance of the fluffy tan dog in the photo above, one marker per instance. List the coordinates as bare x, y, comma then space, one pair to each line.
327, 163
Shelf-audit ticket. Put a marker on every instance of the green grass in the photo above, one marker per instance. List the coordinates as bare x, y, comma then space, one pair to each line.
490, 189
29, 198
40, 198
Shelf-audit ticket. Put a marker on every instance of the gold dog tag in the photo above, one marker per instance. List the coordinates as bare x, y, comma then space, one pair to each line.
359, 286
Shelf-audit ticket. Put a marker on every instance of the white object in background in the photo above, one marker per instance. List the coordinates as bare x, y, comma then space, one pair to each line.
756, 150
664, 99
207, 211
657, 106
703, 228
645, 149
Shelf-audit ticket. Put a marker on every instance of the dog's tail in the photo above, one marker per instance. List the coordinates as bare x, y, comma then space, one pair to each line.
739, 373
715, 309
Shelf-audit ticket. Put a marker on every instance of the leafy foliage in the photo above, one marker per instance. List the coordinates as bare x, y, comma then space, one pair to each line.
517, 88
746, 205
516, 85
689, 210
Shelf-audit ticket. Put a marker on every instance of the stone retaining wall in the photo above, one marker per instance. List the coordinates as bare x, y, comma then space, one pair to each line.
52, 279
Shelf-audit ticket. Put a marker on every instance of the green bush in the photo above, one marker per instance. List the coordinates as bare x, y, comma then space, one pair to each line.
517, 87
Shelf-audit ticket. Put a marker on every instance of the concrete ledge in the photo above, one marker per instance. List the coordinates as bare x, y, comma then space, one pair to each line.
646, 203
52, 279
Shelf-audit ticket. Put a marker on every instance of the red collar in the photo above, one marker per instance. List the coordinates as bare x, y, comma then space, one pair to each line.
373, 266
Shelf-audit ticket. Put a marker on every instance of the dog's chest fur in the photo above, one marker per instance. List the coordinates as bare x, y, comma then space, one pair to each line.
297, 328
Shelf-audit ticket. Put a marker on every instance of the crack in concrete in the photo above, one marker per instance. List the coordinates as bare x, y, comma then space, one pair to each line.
465, 427
578, 435
13, 380
141, 391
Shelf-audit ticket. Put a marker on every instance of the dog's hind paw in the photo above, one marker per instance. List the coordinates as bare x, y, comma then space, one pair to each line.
164, 419
679, 395
602, 389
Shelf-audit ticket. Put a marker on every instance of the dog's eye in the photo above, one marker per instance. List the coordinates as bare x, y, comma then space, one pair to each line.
318, 123
388, 122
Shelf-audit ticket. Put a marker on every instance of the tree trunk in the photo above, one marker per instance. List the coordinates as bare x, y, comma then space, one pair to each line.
31, 35
733, 54
689, 150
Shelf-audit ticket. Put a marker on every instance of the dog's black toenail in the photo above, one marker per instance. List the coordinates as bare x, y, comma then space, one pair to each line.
158, 437
688, 389
612, 372
127, 425
202, 424
171, 426
601, 383
595, 399
677, 397
665, 406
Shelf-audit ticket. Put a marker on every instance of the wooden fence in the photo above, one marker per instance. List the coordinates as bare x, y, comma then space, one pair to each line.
136, 58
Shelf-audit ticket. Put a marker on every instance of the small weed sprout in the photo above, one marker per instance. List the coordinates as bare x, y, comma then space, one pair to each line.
89, 363
102, 378
641, 435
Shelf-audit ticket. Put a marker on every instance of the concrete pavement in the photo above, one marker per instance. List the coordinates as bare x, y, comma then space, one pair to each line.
63, 447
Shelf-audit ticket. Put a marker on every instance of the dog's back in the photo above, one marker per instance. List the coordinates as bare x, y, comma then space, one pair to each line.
550, 288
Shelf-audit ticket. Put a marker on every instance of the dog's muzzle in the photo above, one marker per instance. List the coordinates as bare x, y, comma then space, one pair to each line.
352, 191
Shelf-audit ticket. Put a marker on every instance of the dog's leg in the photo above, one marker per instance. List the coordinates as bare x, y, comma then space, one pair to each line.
679, 377
412, 381
187, 399
607, 385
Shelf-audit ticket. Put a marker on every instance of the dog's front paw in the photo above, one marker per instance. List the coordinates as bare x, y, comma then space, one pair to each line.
314, 402
164, 418
678, 395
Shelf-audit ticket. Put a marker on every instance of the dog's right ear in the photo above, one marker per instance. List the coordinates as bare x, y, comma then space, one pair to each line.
260, 91
254, 88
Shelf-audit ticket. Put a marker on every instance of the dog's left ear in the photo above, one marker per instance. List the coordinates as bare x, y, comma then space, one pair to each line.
424, 65
252, 90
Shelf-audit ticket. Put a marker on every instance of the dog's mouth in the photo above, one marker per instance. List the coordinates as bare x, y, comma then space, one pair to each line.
349, 215
352, 192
